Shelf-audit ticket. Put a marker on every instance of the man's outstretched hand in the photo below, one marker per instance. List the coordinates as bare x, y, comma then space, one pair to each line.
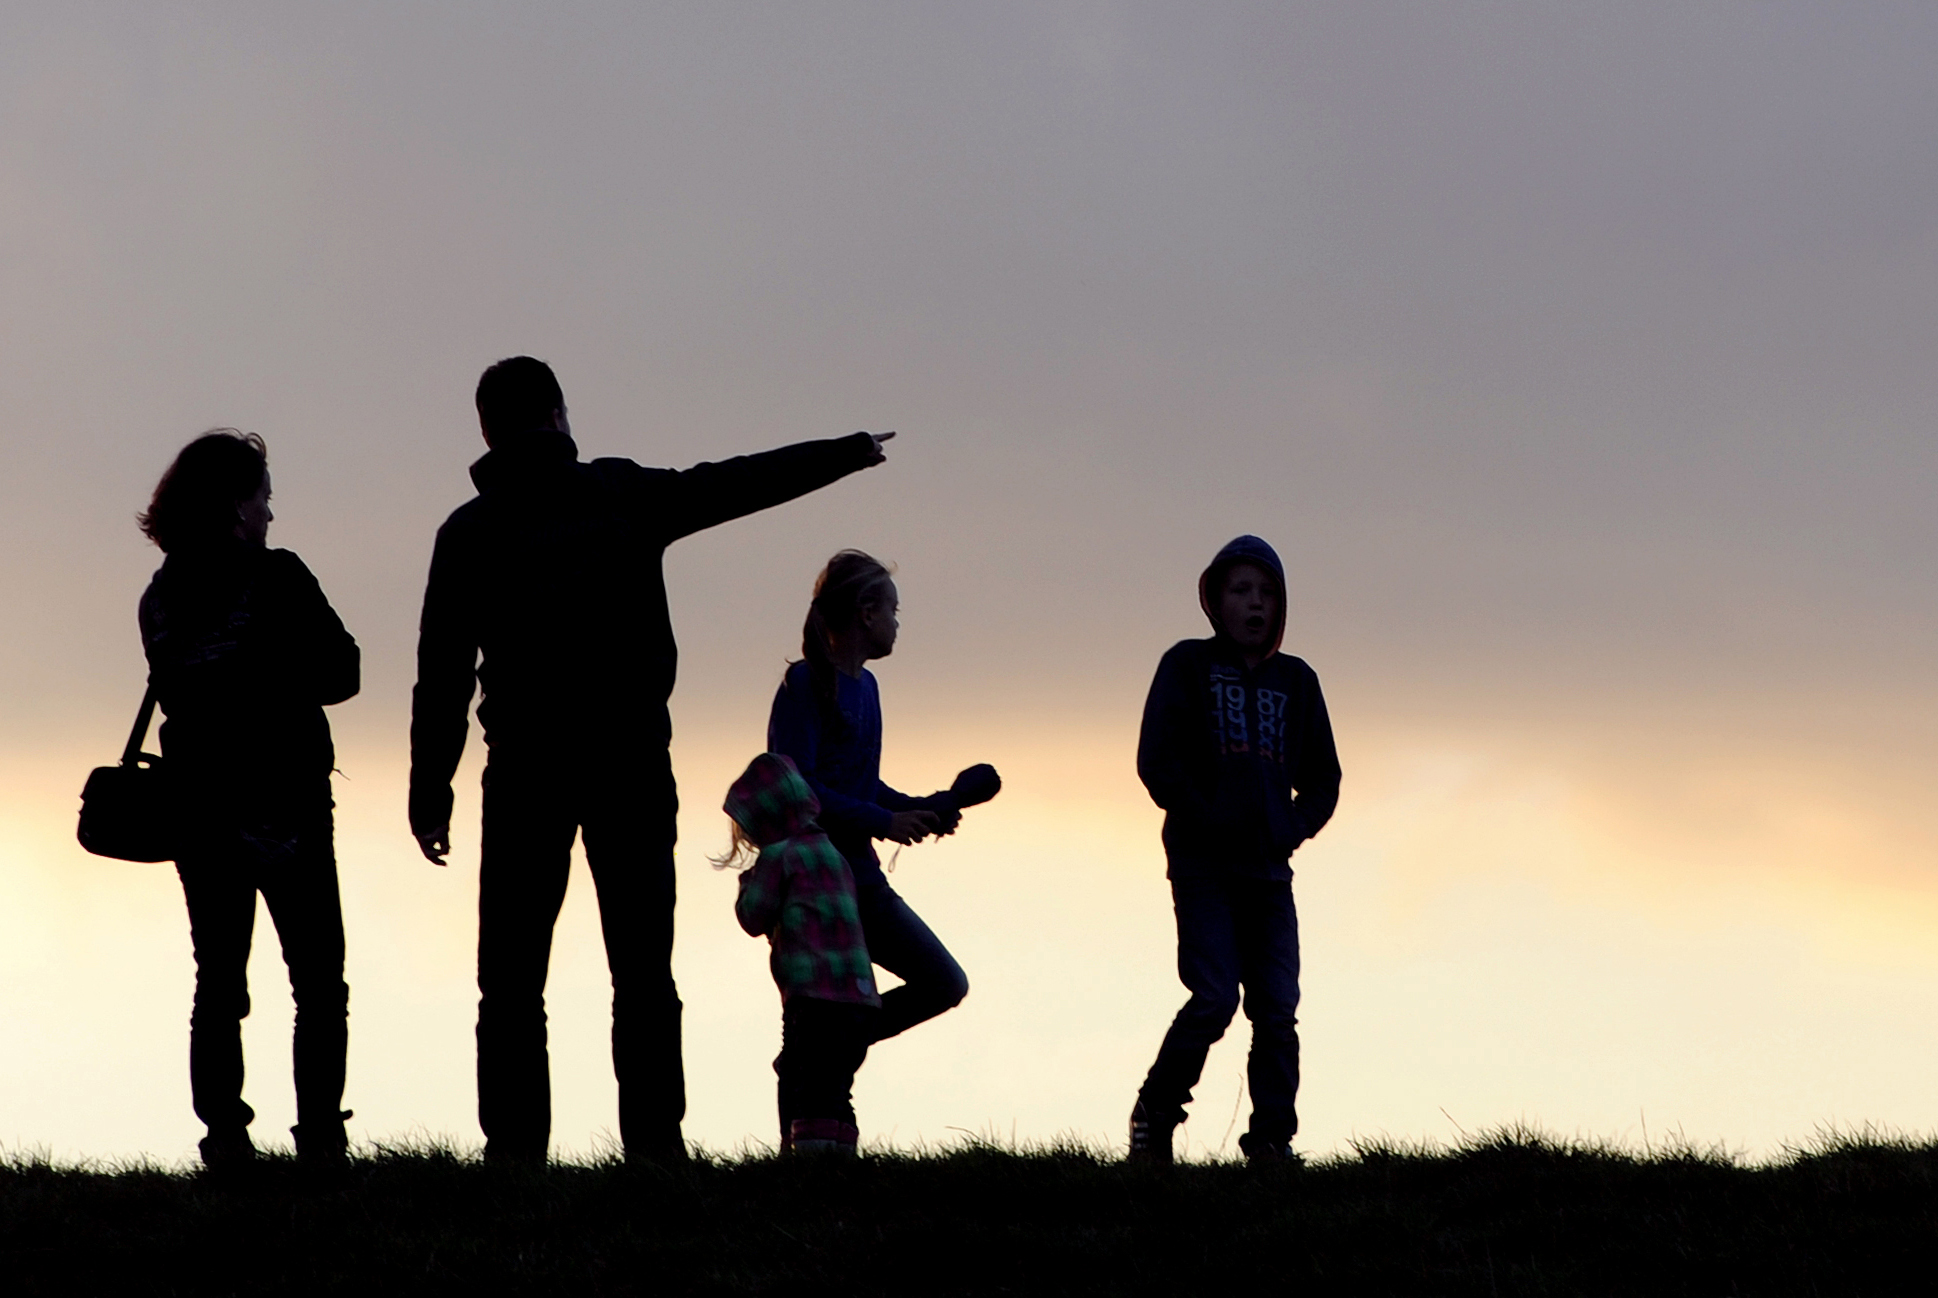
435, 845
879, 454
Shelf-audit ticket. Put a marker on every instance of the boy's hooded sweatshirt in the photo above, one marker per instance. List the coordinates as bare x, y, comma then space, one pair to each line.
1240, 758
799, 893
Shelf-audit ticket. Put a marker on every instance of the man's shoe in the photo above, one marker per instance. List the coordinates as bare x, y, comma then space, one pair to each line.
1150, 1140
824, 1136
502, 1153
669, 1147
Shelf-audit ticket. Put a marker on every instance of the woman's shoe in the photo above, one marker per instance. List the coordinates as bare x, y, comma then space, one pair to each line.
320, 1143
223, 1150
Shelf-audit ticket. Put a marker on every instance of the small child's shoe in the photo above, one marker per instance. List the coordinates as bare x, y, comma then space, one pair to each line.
823, 1136
1150, 1140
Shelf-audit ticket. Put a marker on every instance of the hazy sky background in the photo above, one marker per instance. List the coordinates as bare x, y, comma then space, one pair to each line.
1579, 360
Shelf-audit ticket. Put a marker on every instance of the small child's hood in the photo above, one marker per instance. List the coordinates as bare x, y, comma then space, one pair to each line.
771, 801
1243, 549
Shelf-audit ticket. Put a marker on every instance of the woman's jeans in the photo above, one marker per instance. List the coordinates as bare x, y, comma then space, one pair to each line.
901, 943
299, 883
1234, 933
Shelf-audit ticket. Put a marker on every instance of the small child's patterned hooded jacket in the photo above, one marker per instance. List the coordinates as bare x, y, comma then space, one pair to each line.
799, 893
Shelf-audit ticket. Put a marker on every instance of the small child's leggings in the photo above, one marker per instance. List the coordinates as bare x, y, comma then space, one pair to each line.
822, 1046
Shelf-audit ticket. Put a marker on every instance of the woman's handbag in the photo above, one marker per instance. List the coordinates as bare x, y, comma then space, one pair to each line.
128, 811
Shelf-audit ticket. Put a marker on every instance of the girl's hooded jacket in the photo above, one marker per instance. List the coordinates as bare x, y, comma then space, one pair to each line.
1240, 758
799, 893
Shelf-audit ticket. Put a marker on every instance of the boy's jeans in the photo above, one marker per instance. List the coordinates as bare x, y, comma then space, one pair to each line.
1233, 933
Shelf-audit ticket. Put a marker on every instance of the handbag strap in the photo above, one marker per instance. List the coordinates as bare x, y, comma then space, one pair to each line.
132, 753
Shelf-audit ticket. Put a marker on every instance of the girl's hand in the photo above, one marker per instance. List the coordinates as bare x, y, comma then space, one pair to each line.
907, 827
879, 454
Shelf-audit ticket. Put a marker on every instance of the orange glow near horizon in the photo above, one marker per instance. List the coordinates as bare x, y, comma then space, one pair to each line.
1483, 935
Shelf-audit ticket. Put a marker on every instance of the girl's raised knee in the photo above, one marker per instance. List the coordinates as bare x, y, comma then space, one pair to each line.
957, 988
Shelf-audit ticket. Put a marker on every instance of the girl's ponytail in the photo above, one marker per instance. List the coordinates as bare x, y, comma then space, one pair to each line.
814, 652
851, 581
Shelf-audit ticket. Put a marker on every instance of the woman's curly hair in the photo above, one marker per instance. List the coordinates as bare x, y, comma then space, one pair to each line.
195, 501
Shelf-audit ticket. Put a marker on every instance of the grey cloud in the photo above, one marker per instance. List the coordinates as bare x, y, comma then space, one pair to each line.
1559, 345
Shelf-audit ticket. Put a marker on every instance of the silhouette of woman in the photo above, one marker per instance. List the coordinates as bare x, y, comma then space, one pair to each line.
244, 652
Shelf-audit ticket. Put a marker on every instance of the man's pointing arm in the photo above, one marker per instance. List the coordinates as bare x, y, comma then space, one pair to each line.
709, 494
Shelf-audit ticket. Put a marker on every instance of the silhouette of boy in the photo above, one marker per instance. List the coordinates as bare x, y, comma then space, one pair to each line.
1237, 749
547, 590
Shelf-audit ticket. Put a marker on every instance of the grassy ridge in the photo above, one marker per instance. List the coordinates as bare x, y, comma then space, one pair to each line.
1511, 1213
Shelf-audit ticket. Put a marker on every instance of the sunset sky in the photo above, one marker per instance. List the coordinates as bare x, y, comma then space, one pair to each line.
1581, 361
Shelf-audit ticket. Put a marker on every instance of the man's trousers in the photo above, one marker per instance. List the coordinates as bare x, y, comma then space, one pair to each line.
533, 809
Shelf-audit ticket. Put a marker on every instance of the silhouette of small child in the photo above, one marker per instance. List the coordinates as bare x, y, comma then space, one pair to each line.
800, 894
1237, 748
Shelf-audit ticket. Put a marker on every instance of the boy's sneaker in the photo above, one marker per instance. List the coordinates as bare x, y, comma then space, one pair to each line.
1150, 1140
824, 1136
1261, 1152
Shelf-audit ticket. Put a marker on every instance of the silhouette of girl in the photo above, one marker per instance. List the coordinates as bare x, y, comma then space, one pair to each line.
827, 718
244, 652
797, 892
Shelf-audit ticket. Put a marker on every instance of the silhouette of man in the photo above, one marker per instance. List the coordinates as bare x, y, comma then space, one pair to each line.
547, 590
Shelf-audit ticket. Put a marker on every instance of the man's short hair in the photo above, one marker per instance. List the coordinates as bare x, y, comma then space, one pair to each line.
517, 395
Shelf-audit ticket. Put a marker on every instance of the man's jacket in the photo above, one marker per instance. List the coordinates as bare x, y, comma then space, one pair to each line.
547, 590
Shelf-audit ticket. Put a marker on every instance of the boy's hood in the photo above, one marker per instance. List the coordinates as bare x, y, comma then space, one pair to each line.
771, 801
1243, 549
